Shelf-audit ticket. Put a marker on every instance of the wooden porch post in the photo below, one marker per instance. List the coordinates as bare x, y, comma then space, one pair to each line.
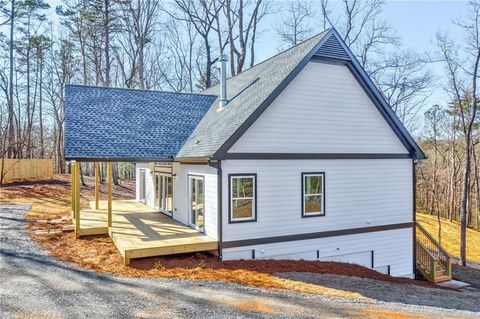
77, 199
109, 193
97, 180
72, 187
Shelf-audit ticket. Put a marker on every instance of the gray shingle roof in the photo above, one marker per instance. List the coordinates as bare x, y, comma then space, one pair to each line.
133, 124
246, 92
109, 123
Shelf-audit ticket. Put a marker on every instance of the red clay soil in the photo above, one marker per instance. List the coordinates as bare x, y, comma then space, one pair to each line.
99, 253
268, 266
51, 200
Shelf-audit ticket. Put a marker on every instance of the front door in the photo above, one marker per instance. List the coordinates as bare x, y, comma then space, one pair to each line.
197, 202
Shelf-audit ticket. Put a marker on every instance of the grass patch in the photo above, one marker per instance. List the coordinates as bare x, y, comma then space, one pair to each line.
451, 236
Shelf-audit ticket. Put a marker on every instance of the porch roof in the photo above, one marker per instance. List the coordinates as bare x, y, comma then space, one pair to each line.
130, 125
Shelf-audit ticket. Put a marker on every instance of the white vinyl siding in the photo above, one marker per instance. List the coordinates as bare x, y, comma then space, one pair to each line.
392, 248
359, 193
323, 110
181, 201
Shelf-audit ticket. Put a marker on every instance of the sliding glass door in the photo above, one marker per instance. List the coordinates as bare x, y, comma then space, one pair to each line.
164, 193
197, 202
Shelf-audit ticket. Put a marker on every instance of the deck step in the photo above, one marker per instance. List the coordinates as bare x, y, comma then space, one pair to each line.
442, 278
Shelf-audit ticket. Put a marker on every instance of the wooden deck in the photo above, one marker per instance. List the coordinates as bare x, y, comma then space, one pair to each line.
140, 231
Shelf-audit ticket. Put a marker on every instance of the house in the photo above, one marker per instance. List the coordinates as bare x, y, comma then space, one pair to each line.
299, 157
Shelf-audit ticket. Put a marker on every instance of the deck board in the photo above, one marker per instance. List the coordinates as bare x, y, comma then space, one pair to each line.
140, 231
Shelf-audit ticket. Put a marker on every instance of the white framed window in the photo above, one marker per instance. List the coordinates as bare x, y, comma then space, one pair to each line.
313, 194
242, 198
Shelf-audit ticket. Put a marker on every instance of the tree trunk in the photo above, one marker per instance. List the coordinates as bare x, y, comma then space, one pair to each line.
11, 126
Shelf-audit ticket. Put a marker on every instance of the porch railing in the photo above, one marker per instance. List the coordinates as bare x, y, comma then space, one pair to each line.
433, 261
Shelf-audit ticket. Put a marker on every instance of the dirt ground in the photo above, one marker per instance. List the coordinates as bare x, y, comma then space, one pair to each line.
51, 201
391, 292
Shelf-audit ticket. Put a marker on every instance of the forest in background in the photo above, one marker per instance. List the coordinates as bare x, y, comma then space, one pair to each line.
174, 46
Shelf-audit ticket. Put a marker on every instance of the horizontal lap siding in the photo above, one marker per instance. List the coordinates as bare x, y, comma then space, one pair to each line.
391, 248
323, 110
181, 200
359, 193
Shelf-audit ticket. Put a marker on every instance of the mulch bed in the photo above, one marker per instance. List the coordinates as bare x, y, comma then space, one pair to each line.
100, 254
269, 266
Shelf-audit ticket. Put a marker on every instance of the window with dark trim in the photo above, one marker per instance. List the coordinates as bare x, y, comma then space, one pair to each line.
313, 194
242, 194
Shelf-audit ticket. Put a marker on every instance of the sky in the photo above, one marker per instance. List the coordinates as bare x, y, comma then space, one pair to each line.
417, 22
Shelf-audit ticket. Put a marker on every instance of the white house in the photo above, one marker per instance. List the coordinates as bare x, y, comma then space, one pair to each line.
299, 157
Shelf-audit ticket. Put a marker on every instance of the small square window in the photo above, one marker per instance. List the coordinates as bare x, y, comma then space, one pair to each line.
242, 193
313, 194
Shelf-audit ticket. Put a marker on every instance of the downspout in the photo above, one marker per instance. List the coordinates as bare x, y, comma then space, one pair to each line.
414, 208
218, 166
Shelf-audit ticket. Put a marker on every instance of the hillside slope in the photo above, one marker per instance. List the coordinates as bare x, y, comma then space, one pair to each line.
451, 236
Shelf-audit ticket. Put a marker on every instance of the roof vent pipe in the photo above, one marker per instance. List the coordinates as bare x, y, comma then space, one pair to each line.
223, 81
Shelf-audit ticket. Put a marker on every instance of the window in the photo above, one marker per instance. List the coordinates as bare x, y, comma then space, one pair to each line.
313, 194
242, 194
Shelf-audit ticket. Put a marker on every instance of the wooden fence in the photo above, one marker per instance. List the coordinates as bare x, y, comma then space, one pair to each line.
26, 169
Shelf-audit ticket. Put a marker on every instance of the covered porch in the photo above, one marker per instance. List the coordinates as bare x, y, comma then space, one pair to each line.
136, 229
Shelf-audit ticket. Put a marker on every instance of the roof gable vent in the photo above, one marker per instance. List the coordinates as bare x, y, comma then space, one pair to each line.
332, 49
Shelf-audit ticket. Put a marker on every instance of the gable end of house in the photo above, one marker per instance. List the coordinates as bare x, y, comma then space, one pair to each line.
331, 49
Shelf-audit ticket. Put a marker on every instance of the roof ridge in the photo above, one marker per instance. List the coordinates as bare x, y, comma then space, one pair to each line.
135, 90
272, 57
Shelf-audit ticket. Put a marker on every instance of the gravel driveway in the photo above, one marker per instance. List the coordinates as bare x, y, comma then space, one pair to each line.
35, 285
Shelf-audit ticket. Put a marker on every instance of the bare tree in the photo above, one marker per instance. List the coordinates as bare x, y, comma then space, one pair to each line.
203, 15
401, 75
294, 26
434, 119
243, 16
139, 21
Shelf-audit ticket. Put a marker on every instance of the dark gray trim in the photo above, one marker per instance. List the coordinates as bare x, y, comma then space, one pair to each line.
302, 192
324, 234
218, 166
414, 217
325, 60
230, 220
333, 49
361, 75
220, 153
393, 120
364, 84
107, 159
295, 156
